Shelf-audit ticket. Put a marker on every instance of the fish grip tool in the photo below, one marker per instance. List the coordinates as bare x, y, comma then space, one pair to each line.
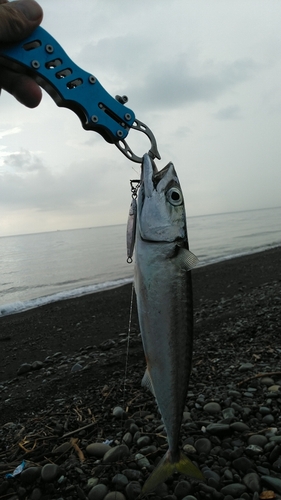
40, 56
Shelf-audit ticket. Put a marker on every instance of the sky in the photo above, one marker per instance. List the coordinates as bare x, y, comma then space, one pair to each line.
205, 76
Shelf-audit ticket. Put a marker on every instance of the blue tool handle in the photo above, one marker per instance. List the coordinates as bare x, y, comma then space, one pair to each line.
40, 56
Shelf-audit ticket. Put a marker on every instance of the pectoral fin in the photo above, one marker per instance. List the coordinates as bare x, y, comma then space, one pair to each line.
187, 258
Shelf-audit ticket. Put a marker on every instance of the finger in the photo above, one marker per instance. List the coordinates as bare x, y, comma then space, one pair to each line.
18, 19
22, 87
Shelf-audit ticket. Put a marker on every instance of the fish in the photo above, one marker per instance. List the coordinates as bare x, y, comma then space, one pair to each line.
163, 287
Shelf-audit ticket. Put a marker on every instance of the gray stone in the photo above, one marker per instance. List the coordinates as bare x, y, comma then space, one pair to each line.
239, 427
116, 453
274, 388
118, 412
203, 445
98, 492
133, 490
62, 448
253, 482
127, 438
29, 476
37, 365
253, 450
141, 460
50, 472
212, 408
218, 429
258, 440
267, 381
36, 494
114, 495
24, 368
272, 482
143, 441
97, 449
242, 463
120, 481
182, 489
132, 474
245, 367
76, 368
268, 419
234, 489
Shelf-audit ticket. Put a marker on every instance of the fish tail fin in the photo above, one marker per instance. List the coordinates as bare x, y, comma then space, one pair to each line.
167, 467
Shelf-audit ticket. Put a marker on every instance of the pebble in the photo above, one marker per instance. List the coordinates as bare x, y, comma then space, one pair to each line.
273, 483
120, 481
50, 472
245, 367
133, 490
252, 481
203, 445
218, 429
98, 492
24, 368
114, 495
118, 412
29, 476
234, 489
242, 463
76, 368
258, 440
182, 489
212, 408
97, 449
141, 460
116, 453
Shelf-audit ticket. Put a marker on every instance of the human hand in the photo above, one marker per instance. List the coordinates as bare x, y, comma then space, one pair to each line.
17, 20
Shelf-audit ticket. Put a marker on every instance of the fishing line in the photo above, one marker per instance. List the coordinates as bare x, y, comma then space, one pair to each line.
128, 342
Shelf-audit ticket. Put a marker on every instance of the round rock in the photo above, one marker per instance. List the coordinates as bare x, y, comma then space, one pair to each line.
258, 440
97, 449
29, 476
114, 495
50, 472
212, 408
133, 490
98, 492
182, 489
203, 445
234, 489
253, 482
116, 453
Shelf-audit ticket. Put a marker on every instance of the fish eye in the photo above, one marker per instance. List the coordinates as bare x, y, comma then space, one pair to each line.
174, 196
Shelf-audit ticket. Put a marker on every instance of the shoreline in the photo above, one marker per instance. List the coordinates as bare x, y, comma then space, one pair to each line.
24, 306
88, 320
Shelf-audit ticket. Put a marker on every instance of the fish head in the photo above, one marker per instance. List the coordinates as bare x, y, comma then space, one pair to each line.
161, 212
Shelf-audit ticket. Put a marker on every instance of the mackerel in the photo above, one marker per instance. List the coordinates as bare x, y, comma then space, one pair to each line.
165, 310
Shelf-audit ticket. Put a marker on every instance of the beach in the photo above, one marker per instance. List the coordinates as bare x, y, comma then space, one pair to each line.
237, 330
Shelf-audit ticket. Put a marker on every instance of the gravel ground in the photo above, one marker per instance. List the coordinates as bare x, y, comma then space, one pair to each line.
84, 431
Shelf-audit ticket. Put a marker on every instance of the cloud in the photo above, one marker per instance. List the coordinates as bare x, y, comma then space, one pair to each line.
228, 113
11, 131
171, 84
23, 161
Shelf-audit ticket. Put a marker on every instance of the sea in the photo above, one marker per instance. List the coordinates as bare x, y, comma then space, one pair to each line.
37, 269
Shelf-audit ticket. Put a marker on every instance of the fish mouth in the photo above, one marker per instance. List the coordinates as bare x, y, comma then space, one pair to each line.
151, 176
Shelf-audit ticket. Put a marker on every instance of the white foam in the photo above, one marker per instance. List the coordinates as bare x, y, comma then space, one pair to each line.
17, 307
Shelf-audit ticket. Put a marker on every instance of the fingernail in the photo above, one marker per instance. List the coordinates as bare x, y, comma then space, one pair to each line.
30, 9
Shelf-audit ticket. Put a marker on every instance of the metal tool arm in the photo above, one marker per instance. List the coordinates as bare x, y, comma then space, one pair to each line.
41, 57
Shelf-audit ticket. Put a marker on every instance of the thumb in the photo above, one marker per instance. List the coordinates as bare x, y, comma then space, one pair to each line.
18, 19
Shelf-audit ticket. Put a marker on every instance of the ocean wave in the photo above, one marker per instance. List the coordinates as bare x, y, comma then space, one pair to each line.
17, 307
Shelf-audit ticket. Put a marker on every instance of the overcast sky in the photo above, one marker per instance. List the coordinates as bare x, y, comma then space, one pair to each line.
204, 75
